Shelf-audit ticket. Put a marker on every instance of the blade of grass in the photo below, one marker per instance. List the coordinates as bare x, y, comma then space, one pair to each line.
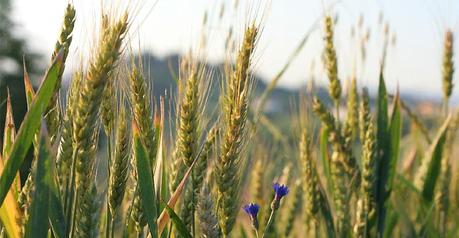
9, 135
29, 91
395, 131
179, 225
383, 151
145, 181
434, 166
164, 217
29, 127
324, 156
9, 212
37, 225
391, 223
9, 131
327, 215
56, 214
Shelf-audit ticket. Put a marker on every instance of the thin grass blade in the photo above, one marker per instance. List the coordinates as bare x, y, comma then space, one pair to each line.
145, 181
383, 150
395, 130
164, 217
179, 225
433, 171
37, 225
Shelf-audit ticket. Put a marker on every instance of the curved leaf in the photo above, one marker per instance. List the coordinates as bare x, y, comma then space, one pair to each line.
30, 126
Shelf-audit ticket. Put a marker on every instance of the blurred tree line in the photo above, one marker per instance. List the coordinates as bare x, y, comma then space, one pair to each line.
13, 52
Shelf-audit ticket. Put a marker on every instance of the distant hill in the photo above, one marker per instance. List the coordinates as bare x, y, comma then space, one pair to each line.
279, 107
160, 70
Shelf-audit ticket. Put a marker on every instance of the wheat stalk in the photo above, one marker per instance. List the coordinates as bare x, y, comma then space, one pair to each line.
448, 66
311, 187
53, 112
120, 164
331, 62
340, 168
366, 206
235, 109
85, 114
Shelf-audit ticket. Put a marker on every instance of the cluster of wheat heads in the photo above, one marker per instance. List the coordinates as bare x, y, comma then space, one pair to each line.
354, 176
65, 194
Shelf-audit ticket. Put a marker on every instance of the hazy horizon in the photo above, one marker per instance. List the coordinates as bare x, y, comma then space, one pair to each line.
173, 26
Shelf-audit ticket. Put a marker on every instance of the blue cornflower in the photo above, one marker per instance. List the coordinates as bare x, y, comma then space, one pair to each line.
279, 192
252, 210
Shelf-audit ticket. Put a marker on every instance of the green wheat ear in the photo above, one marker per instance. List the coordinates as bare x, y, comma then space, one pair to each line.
331, 61
207, 219
364, 114
366, 203
311, 186
119, 168
342, 167
142, 110
292, 209
143, 116
352, 119
53, 112
189, 127
448, 66
85, 112
235, 107
108, 104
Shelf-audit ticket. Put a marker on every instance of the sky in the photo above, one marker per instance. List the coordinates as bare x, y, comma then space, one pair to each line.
175, 26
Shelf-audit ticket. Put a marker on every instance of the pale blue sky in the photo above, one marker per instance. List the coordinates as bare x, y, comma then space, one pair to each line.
174, 26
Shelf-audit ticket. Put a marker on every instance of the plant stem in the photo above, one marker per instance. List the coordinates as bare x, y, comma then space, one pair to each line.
256, 232
270, 222
70, 194
110, 218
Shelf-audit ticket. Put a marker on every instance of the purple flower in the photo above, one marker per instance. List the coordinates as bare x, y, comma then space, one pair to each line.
279, 192
252, 210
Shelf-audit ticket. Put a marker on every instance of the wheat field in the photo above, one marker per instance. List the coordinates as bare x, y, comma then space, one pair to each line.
110, 159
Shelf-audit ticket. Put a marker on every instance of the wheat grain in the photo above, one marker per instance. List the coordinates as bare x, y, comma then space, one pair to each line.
207, 219
53, 112
120, 164
331, 62
448, 66
366, 206
235, 109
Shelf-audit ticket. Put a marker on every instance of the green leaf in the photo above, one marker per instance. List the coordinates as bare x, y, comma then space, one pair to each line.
179, 225
327, 214
29, 92
29, 127
145, 183
434, 166
395, 131
164, 184
391, 223
324, 156
9, 130
403, 183
37, 225
56, 214
383, 150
